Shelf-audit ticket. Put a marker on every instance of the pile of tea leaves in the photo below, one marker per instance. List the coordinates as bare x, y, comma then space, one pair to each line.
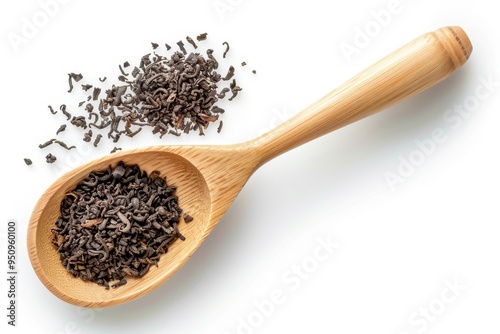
168, 91
116, 223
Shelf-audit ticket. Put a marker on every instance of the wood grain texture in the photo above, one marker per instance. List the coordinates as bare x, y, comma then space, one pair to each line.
210, 177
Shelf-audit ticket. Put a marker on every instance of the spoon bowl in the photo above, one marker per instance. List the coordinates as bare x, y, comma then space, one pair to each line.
208, 178
195, 197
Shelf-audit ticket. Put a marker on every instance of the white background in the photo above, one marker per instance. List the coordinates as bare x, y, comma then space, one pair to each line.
398, 250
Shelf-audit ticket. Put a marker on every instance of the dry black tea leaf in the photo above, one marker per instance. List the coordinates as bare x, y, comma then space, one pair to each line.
61, 129
181, 47
192, 42
230, 73
63, 145
73, 76
86, 87
62, 108
97, 140
50, 158
227, 49
47, 143
201, 37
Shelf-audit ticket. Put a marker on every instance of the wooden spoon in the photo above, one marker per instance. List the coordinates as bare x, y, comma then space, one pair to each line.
210, 177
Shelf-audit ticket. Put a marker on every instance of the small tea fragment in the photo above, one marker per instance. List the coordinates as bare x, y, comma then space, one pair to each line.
192, 42
227, 49
47, 143
63, 145
87, 136
91, 222
181, 47
61, 129
230, 73
62, 108
201, 37
50, 158
97, 140
73, 76
86, 87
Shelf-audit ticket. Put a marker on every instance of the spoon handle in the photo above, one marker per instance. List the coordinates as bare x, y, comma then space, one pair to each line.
407, 71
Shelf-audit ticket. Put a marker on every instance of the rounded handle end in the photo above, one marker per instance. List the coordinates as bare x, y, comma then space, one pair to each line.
456, 43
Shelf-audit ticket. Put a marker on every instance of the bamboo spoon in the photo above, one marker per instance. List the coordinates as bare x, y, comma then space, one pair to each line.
210, 177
